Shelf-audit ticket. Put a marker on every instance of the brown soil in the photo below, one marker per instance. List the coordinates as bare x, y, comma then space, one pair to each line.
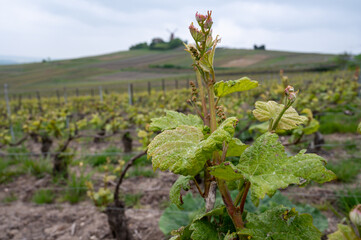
23, 219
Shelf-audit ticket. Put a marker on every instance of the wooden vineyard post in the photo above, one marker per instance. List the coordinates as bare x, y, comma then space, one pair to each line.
130, 93
101, 94
9, 111
92, 92
187, 83
77, 92
39, 101
149, 88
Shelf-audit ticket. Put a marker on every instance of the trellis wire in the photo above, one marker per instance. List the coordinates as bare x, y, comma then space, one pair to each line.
2, 154
328, 195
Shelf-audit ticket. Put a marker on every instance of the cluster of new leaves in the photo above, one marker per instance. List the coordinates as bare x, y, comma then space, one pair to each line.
185, 146
184, 150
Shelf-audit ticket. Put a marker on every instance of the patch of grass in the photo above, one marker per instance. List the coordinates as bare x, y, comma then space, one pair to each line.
7, 171
43, 196
339, 123
348, 198
38, 167
101, 158
76, 188
8, 164
138, 171
9, 198
350, 145
142, 161
347, 170
132, 200
17, 154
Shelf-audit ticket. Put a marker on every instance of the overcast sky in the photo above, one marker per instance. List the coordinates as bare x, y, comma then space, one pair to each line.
74, 28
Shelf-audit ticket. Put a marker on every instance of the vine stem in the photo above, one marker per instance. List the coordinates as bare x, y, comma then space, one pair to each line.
203, 98
275, 123
217, 101
233, 212
198, 187
244, 196
120, 180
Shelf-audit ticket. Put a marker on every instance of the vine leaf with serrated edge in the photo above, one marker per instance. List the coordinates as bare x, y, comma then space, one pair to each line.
266, 165
225, 171
223, 88
175, 191
173, 120
280, 223
203, 230
270, 110
183, 150
235, 148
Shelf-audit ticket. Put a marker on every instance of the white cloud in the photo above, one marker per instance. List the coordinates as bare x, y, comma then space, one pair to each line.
67, 29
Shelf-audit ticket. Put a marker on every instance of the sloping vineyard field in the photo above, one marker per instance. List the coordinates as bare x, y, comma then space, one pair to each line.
61, 157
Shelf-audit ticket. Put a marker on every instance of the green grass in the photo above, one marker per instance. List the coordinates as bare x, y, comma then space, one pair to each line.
142, 161
9, 168
76, 188
339, 123
101, 158
37, 167
9, 198
132, 200
346, 170
8, 171
137, 171
43, 196
348, 198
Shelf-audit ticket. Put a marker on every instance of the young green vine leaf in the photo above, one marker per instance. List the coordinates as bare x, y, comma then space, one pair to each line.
223, 88
173, 120
182, 150
225, 171
203, 230
266, 165
175, 192
270, 111
280, 223
235, 148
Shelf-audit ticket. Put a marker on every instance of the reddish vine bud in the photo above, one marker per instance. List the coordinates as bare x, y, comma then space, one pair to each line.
209, 22
355, 215
200, 18
292, 97
288, 90
290, 93
197, 35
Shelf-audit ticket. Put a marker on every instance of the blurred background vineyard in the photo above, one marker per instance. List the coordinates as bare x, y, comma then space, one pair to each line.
67, 127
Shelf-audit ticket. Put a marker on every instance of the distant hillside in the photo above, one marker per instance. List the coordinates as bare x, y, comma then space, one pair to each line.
7, 60
150, 65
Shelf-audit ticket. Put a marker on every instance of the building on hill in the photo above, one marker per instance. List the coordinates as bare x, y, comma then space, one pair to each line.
157, 40
260, 47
